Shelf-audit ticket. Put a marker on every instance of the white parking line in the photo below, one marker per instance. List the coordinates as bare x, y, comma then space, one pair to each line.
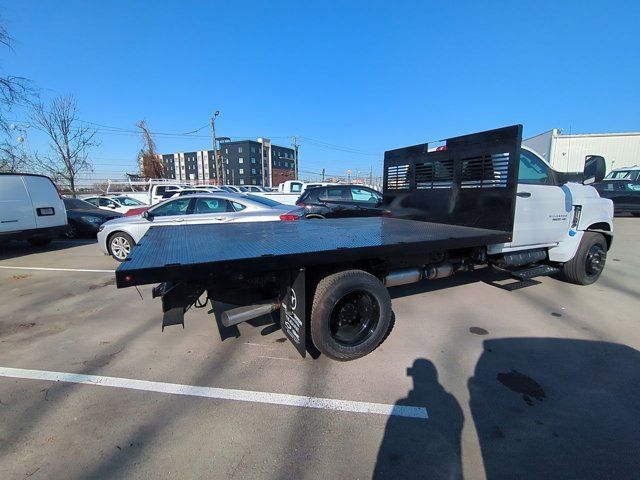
45, 269
220, 393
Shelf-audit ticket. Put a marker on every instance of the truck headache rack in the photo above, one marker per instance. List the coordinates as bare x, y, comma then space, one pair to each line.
471, 181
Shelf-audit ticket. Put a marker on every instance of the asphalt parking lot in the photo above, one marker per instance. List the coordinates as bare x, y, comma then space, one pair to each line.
541, 382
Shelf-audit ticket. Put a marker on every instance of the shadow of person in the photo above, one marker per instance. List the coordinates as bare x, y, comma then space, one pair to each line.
557, 408
423, 448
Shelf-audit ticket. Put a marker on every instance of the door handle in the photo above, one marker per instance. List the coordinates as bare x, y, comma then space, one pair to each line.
219, 218
178, 219
524, 194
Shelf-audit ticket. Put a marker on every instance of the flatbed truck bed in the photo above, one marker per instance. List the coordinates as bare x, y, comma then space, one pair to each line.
199, 252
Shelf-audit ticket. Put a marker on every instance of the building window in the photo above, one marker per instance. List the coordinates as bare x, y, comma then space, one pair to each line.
241, 182
239, 149
253, 149
254, 182
241, 171
241, 160
227, 171
227, 160
253, 171
253, 160
226, 150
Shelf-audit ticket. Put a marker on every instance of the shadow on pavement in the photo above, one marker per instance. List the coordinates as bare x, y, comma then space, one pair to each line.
557, 408
416, 448
16, 248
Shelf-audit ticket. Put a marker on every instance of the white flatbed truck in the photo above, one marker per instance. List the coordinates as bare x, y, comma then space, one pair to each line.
481, 200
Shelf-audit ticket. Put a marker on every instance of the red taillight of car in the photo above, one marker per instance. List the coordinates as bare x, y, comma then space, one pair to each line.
287, 217
387, 213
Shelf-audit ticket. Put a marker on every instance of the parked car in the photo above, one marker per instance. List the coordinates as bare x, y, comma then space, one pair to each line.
256, 189
118, 236
627, 173
234, 188
30, 209
341, 201
85, 218
625, 195
119, 203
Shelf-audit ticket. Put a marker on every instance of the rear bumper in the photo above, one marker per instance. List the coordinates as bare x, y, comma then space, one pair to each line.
49, 232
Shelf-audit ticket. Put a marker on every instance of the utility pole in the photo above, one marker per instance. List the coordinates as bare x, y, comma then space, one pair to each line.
216, 159
294, 142
323, 174
371, 176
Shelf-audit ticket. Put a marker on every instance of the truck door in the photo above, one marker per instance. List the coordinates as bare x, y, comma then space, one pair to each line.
543, 207
16, 212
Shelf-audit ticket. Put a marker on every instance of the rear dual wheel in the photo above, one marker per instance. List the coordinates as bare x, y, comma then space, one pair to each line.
351, 314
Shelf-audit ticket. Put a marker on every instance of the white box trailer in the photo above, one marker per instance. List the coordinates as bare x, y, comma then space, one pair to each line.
567, 152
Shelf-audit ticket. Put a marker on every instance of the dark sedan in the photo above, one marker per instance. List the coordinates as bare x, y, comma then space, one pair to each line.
624, 193
341, 201
85, 219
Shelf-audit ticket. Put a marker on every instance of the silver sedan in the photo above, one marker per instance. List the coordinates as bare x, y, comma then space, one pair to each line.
117, 237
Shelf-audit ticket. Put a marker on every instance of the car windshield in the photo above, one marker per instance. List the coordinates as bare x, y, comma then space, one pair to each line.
77, 203
128, 201
264, 201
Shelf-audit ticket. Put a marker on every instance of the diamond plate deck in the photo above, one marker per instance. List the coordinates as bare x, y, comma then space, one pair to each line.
198, 252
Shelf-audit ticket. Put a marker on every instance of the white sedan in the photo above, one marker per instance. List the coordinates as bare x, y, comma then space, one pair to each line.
118, 236
119, 203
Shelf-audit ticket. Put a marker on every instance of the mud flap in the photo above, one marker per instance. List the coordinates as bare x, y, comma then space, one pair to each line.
293, 313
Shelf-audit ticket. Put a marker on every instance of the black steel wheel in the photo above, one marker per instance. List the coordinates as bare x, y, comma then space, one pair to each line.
351, 314
587, 264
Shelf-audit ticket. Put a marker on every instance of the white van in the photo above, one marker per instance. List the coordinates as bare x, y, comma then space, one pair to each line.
30, 209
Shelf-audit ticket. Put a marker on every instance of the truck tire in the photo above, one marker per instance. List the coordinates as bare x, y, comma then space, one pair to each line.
39, 241
119, 245
587, 264
350, 316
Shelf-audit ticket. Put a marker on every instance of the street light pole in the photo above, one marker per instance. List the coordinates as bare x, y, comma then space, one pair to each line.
216, 160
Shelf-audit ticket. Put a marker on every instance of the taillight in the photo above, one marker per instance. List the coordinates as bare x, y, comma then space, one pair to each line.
289, 217
387, 213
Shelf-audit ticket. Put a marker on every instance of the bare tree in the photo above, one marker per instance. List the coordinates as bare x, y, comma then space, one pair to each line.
14, 91
70, 140
13, 159
150, 164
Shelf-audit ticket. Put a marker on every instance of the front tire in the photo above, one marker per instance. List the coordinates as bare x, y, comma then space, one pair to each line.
120, 245
587, 264
71, 231
351, 315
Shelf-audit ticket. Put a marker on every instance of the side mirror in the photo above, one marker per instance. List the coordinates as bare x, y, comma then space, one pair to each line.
147, 215
595, 169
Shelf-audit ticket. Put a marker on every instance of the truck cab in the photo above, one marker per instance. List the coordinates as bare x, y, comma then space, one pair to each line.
553, 211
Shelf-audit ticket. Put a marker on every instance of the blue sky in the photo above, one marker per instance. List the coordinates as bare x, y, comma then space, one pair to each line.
368, 76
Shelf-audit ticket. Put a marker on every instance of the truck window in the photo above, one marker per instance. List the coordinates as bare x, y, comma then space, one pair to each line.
533, 171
